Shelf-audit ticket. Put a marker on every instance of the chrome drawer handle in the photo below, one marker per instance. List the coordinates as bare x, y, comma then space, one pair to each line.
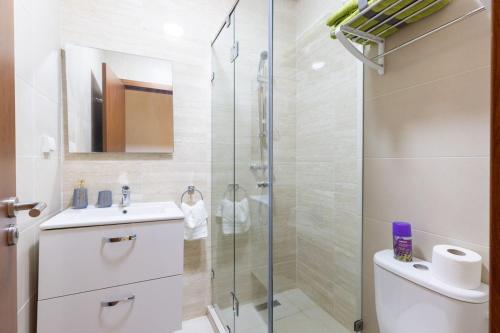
120, 239
109, 304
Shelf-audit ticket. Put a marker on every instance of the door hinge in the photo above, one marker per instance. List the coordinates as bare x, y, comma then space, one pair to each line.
212, 77
235, 51
358, 325
236, 304
213, 275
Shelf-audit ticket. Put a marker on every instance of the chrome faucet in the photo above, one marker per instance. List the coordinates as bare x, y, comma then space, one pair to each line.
125, 196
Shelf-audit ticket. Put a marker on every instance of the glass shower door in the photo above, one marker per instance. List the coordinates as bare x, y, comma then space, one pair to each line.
251, 165
222, 213
311, 206
317, 186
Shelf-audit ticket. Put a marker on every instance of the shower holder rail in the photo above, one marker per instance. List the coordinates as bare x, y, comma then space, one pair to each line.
345, 32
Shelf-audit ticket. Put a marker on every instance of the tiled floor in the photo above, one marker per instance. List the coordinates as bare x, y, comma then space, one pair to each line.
296, 314
197, 325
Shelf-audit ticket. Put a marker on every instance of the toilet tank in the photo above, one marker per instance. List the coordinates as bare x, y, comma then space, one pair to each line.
409, 299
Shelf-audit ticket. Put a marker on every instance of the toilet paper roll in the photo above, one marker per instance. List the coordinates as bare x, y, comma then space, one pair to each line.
456, 266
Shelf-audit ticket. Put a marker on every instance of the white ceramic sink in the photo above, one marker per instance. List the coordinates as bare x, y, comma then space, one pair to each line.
92, 216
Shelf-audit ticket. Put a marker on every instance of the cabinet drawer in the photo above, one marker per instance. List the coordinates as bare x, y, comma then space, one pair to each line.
84, 259
152, 306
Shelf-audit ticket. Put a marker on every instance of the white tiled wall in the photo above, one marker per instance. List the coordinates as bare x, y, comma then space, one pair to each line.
37, 114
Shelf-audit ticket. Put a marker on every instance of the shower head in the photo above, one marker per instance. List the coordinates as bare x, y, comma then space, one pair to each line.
263, 55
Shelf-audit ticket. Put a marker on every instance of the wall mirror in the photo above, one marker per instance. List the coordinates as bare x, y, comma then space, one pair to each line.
118, 102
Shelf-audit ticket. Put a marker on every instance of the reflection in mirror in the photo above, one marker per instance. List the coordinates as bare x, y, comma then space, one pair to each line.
118, 102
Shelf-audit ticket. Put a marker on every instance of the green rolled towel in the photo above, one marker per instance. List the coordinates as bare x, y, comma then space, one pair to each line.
347, 13
340, 15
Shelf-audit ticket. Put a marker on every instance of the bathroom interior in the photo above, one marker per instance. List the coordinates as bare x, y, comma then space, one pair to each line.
253, 166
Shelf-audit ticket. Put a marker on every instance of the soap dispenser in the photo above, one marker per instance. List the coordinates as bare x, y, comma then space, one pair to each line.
80, 196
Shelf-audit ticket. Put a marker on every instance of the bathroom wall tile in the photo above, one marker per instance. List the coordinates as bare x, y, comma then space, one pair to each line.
440, 55
23, 41
26, 282
25, 119
312, 11
447, 117
328, 171
46, 48
25, 169
48, 186
48, 74
47, 115
445, 196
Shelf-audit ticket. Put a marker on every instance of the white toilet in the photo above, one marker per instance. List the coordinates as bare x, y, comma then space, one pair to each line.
409, 299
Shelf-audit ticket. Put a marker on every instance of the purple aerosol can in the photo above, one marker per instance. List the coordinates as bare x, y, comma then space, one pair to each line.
402, 241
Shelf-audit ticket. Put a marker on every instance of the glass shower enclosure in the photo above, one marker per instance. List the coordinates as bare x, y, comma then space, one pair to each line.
286, 175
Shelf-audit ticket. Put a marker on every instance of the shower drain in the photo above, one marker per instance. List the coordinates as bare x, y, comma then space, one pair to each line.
263, 306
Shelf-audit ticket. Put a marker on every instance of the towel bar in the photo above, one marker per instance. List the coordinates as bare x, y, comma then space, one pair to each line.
347, 34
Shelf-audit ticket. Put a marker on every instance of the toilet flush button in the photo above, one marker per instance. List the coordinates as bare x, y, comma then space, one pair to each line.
421, 267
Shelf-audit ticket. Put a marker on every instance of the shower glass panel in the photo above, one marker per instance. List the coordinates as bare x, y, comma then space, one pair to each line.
251, 161
222, 215
317, 206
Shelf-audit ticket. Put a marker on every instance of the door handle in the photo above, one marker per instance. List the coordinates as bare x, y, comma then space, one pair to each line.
13, 206
12, 234
236, 304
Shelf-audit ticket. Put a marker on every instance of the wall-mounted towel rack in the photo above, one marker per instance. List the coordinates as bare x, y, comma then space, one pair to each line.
191, 191
382, 23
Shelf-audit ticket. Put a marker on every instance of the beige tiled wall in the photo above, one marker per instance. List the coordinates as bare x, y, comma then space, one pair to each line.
137, 27
329, 146
38, 113
427, 142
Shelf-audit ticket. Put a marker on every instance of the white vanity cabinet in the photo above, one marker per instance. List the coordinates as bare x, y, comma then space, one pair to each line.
121, 276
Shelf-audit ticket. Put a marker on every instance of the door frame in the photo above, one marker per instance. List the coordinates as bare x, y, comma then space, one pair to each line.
495, 173
8, 252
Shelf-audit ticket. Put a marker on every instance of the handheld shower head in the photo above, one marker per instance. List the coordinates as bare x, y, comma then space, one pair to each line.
261, 76
263, 59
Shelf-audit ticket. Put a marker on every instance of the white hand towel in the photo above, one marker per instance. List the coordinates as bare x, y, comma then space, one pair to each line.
195, 220
235, 216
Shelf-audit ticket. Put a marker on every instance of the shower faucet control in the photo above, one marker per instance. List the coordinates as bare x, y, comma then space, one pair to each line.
262, 184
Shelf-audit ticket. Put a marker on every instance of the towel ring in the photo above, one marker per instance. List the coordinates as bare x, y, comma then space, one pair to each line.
191, 190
